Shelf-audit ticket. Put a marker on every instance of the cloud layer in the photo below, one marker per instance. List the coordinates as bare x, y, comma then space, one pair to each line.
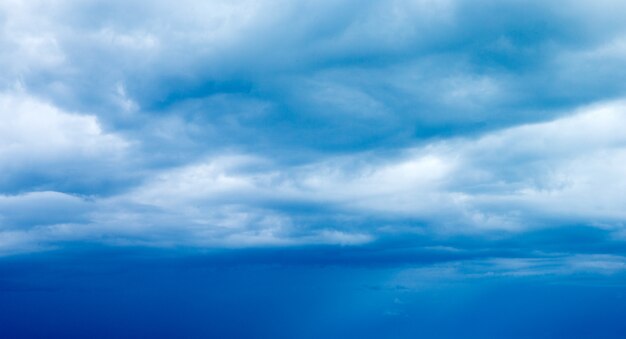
273, 123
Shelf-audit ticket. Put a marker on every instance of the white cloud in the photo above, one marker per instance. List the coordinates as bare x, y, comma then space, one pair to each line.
569, 168
38, 139
39, 131
527, 176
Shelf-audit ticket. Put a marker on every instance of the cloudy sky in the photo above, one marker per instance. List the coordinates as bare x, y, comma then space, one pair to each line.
447, 139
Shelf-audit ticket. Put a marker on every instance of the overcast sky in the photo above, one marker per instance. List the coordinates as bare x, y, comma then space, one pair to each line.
445, 145
280, 123
245, 124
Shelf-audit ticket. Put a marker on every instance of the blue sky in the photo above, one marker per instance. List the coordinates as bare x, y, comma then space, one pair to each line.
464, 147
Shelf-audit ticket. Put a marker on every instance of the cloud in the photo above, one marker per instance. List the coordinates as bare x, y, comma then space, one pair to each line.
566, 170
345, 75
40, 208
517, 179
463, 272
273, 123
43, 147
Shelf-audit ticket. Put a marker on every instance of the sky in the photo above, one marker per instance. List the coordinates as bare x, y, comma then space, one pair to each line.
370, 168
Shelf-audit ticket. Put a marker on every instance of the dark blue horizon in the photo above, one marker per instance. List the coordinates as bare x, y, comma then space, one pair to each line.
266, 293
